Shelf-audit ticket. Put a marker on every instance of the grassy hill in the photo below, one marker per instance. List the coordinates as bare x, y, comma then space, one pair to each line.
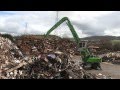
101, 38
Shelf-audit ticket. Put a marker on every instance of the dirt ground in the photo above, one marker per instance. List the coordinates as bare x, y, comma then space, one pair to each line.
108, 69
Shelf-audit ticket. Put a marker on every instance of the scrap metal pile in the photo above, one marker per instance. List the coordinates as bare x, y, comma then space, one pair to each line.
48, 60
113, 57
32, 45
10, 55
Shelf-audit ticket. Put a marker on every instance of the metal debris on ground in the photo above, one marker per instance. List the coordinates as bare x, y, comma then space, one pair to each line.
113, 57
40, 59
34, 45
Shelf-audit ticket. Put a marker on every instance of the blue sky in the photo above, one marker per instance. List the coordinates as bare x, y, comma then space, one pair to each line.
86, 23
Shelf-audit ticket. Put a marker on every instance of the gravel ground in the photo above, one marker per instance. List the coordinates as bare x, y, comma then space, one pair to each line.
108, 69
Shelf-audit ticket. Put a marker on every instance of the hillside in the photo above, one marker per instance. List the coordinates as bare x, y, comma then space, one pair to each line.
101, 38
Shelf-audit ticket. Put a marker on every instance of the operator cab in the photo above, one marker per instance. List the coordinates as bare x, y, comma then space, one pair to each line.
83, 43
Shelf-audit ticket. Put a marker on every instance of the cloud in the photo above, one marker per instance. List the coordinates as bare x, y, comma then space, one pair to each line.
86, 23
38, 22
97, 25
91, 23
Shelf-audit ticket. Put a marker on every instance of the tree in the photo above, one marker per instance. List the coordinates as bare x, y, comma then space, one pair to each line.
117, 47
10, 37
106, 44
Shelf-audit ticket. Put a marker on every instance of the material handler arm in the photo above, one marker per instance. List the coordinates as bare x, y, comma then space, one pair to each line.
76, 37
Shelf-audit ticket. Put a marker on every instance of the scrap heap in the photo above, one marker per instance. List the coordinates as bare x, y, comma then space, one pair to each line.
45, 64
32, 45
113, 57
10, 55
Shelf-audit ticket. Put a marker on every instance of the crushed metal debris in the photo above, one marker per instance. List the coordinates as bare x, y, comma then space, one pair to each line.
33, 58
